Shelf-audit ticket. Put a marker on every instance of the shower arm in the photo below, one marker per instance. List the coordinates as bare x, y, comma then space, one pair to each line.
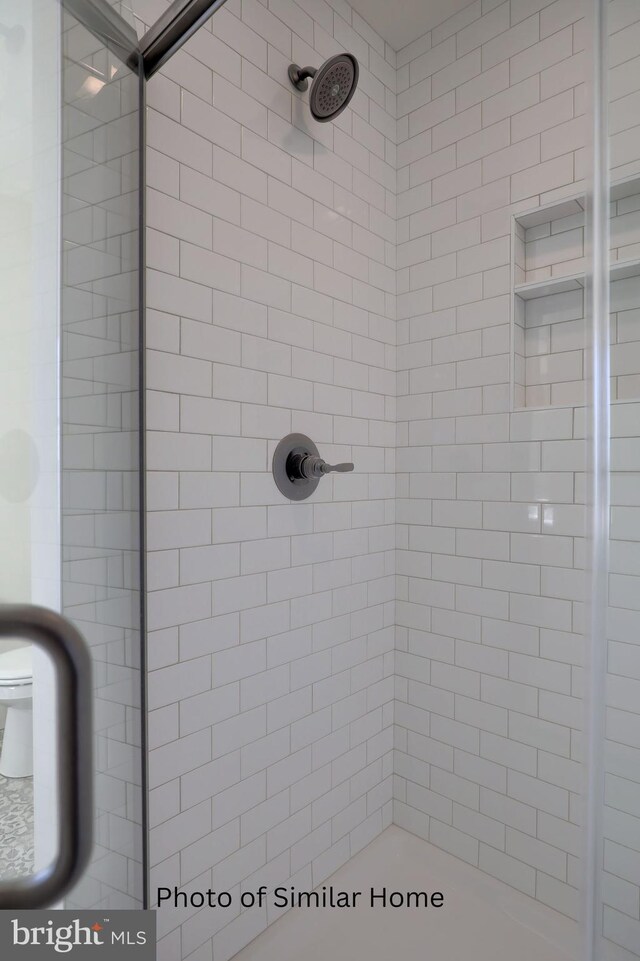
300, 76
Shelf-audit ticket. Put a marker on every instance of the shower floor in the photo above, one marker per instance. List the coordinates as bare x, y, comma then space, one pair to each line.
481, 918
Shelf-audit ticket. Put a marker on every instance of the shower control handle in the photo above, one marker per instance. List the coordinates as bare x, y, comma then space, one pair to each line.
312, 465
340, 468
298, 467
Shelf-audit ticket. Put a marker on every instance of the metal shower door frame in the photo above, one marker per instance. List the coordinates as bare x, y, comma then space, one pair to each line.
145, 56
102, 20
179, 22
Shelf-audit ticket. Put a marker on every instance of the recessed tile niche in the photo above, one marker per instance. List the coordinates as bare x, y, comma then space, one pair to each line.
549, 355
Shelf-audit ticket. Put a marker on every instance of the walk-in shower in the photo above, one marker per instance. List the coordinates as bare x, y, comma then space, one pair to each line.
324, 436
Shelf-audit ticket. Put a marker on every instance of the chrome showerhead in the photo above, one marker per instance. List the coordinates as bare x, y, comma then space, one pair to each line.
333, 86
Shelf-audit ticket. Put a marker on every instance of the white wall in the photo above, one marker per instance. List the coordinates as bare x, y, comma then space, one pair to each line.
271, 298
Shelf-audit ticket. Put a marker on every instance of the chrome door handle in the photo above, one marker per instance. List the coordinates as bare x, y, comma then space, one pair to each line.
72, 662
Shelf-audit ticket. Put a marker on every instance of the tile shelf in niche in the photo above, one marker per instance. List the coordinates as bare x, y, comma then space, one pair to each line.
557, 285
545, 288
548, 315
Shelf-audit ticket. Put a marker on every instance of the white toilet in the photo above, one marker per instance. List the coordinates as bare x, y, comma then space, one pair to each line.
16, 687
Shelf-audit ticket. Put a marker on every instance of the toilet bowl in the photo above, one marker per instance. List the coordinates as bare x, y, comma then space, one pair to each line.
16, 687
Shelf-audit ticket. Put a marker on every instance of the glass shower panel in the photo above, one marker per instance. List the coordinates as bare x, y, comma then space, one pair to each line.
619, 911
100, 381
29, 463
69, 419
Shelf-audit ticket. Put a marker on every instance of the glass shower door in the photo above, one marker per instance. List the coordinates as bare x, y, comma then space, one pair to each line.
69, 419
613, 913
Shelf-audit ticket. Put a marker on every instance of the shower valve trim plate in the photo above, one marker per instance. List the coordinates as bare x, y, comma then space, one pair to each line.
297, 467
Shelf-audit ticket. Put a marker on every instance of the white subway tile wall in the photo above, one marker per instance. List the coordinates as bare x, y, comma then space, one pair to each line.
276, 249
271, 309
490, 500
100, 479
